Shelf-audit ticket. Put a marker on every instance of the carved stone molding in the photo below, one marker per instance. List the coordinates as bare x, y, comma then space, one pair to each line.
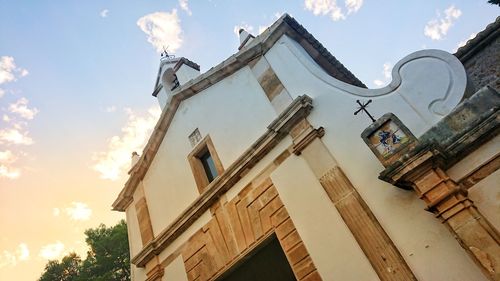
239, 227
155, 274
305, 140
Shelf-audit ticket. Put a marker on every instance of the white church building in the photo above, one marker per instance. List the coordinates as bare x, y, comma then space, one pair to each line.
258, 169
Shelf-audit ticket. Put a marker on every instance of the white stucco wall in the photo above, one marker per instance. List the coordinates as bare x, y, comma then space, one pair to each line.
425, 243
134, 241
332, 246
134, 234
486, 197
234, 112
175, 271
186, 73
138, 274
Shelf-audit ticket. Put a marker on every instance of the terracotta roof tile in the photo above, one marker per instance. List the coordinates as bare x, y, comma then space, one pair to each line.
484, 37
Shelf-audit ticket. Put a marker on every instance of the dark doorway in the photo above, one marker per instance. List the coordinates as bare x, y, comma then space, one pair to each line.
267, 263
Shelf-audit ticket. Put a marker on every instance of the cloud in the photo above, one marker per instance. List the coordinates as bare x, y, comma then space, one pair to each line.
387, 75
378, 83
163, 30
7, 157
113, 163
325, 7
15, 136
104, 13
250, 28
276, 16
7, 67
8, 172
52, 251
110, 109
184, 6
262, 28
78, 211
21, 253
6, 169
437, 28
387, 68
21, 107
14, 133
56, 212
353, 5
7, 259
462, 43
9, 70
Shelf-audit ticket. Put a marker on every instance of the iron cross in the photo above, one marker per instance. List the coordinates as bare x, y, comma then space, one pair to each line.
363, 108
165, 53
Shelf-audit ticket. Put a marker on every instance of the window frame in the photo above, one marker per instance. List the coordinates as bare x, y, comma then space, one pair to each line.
199, 172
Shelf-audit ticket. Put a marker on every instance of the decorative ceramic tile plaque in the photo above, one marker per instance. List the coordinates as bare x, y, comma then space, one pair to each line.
388, 138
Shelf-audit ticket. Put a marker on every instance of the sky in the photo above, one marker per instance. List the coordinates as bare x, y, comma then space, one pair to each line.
76, 79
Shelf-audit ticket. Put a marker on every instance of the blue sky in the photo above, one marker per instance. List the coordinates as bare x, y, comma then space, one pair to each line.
76, 79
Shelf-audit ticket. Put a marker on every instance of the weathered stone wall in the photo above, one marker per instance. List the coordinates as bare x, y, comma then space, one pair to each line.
483, 68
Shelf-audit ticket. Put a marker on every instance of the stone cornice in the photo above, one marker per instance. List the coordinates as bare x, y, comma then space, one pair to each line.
466, 128
186, 62
277, 130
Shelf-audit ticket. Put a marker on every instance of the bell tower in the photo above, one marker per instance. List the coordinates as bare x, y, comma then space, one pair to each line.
172, 74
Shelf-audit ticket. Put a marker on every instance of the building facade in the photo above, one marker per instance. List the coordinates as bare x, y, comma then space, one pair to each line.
259, 170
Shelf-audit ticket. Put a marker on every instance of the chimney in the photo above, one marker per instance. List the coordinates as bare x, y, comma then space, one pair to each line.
133, 161
245, 38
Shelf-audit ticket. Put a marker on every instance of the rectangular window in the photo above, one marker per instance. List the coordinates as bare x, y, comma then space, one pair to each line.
209, 166
175, 84
205, 163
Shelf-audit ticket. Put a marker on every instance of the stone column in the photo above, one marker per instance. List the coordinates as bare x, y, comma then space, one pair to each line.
450, 203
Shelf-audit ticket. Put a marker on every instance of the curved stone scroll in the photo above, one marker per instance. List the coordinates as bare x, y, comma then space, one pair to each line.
432, 82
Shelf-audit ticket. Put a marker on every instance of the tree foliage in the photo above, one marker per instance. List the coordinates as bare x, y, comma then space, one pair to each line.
66, 270
494, 2
107, 259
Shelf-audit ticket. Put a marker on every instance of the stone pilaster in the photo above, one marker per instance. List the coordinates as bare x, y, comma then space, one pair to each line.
383, 255
141, 208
